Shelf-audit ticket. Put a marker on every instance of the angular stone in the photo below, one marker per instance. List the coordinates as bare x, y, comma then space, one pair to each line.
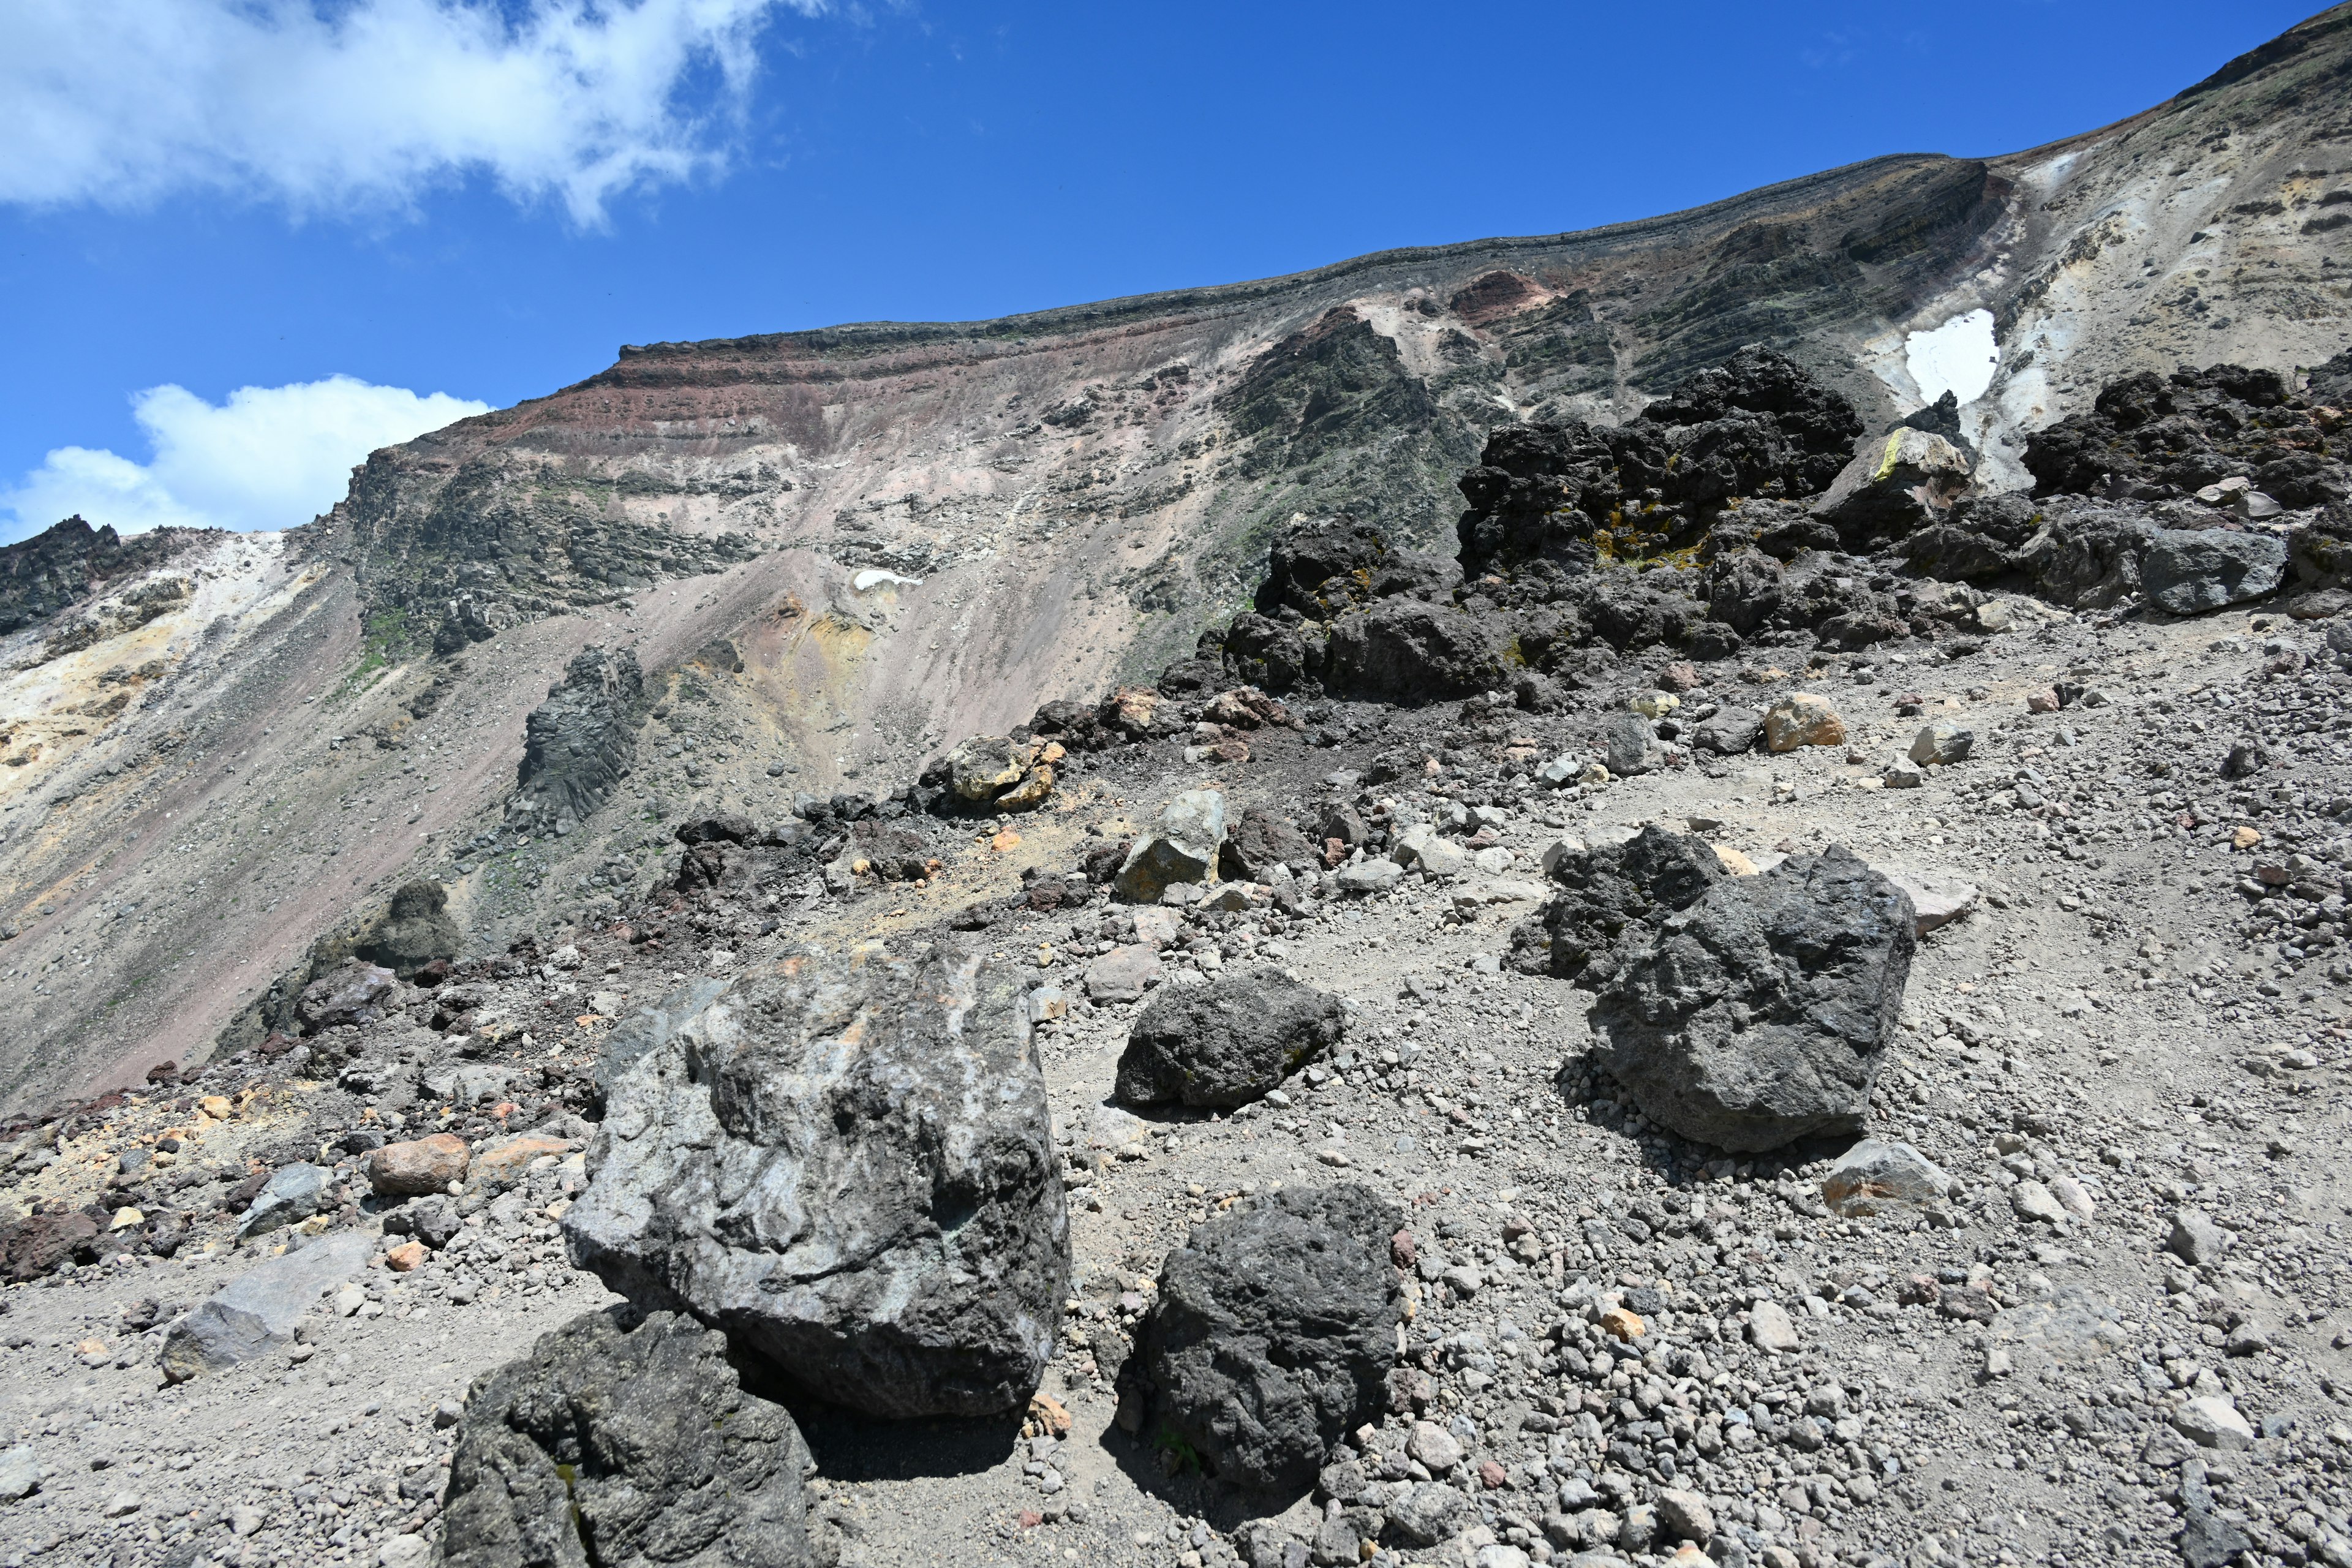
356, 993
1433, 1447
1376, 876
503, 1164
846, 1162
2032, 1201
1943, 742
1684, 1515
1759, 1013
418, 1166
1123, 974
1802, 719
1896, 484
1181, 847
1226, 1043
2195, 1238
20, 1473
1273, 1332
580, 742
2192, 572
631, 1447
1731, 731
1629, 745
292, 1195
983, 767
2212, 1422
1874, 1176
1422, 845
257, 1312
1431, 1514
1937, 898
1769, 1328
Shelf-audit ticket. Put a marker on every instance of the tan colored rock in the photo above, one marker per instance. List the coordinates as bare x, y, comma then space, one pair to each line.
1029, 793
1734, 862
505, 1164
408, 1256
216, 1106
1619, 1324
1802, 719
418, 1166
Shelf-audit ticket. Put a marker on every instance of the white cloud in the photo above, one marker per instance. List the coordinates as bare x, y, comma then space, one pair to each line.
267, 456
118, 102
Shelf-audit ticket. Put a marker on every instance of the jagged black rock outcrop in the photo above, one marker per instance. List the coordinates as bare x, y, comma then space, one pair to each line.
1576, 494
70, 561
576, 744
2150, 437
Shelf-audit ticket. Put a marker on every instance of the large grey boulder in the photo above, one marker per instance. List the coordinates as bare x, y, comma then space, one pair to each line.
257, 1312
1629, 745
651, 1025
1226, 1043
1611, 893
626, 1450
1273, 1332
1759, 1013
2189, 572
1182, 846
1896, 484
846, 1160
353, 993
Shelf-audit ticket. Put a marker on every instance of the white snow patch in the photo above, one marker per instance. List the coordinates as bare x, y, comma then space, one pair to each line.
874, 576
1958, 356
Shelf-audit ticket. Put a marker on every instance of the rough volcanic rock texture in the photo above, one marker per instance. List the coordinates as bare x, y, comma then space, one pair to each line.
846, 1162
626, 1449
1611, 890
2153, 438
576, 744
1272, 1331
66, 562
1757, 1015
1408, 650
1577, 493
1226, 1043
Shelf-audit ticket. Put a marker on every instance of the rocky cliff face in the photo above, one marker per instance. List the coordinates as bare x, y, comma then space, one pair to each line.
835, 553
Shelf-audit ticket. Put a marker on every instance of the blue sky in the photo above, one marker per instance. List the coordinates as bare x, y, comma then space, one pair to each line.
243, 243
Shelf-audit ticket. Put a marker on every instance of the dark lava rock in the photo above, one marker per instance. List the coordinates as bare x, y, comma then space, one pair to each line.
577, 744
1578, 494
1260, 842
1611, 890
626, 1449
1758, 1014
2190, 572
1227, 1042
415, 931
70, 561
1955, 554
884, 1222
1271, 1334
1324, 566
2150, 438
1743, 590
1729, 730
2086, 557
2330, 384
1409, 651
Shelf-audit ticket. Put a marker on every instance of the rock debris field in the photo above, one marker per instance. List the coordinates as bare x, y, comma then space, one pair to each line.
1781, 1057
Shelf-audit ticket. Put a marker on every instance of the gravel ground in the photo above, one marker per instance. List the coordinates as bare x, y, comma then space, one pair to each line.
2115, 1021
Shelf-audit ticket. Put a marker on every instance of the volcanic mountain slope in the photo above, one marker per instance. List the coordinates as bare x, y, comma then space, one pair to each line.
833, 554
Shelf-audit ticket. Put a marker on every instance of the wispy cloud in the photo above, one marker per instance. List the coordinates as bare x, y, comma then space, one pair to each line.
369, 103
266, 456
